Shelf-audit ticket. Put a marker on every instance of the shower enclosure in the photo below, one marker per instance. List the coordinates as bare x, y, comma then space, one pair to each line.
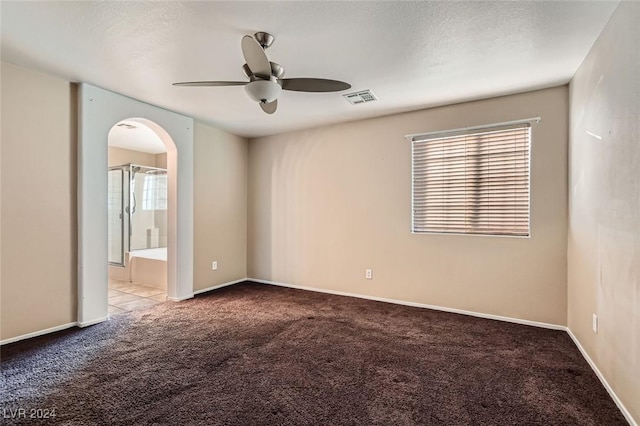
137, 210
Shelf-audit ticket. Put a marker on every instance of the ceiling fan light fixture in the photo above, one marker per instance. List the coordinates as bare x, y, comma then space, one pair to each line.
263, 90
266, 80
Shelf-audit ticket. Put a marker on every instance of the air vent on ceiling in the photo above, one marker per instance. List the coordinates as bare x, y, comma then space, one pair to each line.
360, 97
127, 126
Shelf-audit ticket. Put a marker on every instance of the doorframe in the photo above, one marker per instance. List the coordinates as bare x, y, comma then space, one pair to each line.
98, 111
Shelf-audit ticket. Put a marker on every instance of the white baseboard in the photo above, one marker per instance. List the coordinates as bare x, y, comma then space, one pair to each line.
99, 320
417, 305
625, 412
93, 322
215, 287
593, 366
604, 382
180, 298
38, 333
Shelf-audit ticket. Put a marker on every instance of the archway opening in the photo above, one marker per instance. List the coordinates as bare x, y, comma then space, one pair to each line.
99, 110
137, 216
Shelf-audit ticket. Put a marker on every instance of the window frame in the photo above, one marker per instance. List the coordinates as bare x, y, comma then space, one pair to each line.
413, 138
150, 192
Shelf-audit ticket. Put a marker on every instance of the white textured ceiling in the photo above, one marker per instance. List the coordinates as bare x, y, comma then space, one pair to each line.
135, 136
410, 54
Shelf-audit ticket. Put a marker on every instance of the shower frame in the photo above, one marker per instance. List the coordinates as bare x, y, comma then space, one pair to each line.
129, 167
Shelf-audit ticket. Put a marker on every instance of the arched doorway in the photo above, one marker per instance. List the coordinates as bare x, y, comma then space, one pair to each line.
137, 216
99, 110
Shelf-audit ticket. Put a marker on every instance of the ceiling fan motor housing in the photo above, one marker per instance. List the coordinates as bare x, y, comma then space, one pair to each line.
263, 90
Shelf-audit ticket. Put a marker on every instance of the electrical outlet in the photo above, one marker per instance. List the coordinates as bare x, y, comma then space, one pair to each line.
214, 265
594, 323
368, 274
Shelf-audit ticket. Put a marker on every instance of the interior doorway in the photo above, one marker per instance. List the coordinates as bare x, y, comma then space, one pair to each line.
137, 203
99, 111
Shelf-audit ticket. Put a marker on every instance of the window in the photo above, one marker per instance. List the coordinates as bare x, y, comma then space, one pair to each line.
472, 181
154, 192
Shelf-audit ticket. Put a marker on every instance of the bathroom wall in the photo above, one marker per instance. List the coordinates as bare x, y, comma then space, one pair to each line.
119, 156
161, 160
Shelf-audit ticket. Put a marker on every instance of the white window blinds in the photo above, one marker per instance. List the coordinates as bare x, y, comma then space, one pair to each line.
473, 182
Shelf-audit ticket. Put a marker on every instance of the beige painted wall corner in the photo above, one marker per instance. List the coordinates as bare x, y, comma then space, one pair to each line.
604, 214
220, 206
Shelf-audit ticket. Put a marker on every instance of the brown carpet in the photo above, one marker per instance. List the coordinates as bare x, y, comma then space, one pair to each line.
254, 354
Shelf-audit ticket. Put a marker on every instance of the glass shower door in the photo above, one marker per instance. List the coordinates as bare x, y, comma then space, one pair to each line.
149, 208
115, 216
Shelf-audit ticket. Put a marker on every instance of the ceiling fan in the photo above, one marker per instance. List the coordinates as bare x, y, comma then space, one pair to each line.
265, 77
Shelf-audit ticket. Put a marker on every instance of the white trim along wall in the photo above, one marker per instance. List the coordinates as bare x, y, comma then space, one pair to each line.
98, 111
625, 412
606, 385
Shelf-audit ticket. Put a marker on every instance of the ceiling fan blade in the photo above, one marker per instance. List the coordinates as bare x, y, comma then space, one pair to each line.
255, 57
211, 83
269, 107
313, 85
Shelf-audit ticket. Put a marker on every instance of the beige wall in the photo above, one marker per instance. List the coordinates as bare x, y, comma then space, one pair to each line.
220, 206
161, 160
120, 156
39, 240
604, 225
327, 203
38, 250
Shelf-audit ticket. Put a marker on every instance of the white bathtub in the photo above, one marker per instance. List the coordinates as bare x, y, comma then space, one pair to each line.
149, 267
159, 253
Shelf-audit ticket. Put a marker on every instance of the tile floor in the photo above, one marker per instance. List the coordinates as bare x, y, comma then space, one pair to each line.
127, 296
